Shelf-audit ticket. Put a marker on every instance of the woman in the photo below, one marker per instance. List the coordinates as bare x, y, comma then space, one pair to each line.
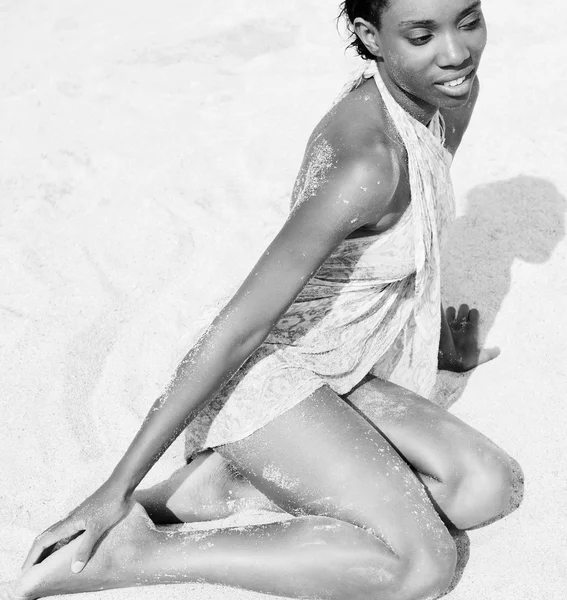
339, 332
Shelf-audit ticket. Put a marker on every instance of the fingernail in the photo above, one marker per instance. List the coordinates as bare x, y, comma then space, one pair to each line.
77, 566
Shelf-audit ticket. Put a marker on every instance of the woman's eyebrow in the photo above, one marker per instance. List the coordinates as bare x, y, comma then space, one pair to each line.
432, 23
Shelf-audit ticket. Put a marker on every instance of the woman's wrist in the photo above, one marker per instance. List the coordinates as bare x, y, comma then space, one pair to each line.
121, 484
443, 361
443, 364
446, 354
449, 361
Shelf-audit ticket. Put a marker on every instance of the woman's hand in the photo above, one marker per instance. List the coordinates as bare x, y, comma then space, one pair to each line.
459, 350
95, 516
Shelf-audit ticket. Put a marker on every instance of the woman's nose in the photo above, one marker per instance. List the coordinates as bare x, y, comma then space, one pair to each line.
453, 51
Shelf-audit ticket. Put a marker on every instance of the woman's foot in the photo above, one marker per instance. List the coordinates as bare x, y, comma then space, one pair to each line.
115, 563
7, 592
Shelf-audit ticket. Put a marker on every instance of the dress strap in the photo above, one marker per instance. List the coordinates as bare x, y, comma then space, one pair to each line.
408, 125
432, 204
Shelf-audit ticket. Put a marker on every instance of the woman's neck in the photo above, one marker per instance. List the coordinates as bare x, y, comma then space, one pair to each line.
419, 110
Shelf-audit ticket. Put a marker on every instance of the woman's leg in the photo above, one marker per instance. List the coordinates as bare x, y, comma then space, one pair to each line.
468, 478
363, 527
207, 488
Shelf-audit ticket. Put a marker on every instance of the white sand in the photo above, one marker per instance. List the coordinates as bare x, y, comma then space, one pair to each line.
147, 154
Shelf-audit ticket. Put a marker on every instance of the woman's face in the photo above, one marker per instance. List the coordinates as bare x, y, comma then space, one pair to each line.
429, 46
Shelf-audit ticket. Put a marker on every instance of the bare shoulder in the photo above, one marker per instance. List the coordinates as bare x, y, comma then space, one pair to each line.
346, 181
352, 160
457, 120
348, 177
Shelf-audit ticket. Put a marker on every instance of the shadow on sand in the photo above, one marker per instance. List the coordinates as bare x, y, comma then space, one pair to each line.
517, 219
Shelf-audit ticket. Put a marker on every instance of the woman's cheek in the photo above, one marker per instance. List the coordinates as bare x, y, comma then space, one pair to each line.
481, 42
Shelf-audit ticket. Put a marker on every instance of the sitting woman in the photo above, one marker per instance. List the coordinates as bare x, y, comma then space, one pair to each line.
308, 392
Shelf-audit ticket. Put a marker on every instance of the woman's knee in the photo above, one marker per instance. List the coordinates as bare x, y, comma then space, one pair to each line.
482, 487
424, 571
429, 567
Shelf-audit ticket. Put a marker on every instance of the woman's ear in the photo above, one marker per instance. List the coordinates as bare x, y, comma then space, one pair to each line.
368, 35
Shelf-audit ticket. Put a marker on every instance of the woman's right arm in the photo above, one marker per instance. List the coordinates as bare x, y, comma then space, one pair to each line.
355, 190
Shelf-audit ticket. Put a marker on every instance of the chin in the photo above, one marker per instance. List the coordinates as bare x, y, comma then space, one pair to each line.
454, 103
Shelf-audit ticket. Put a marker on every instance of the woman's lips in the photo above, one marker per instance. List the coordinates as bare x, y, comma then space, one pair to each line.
457, 87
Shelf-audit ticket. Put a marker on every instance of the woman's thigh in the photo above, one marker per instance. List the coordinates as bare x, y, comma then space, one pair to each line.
474, 473
323, 458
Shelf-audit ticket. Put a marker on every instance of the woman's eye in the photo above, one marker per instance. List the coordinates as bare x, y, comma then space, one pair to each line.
473, 24
419, 36
419, 41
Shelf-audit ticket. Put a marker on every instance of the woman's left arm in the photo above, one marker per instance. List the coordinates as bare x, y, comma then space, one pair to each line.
458, 343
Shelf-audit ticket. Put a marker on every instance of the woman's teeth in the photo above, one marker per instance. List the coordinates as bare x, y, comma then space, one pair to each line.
455, 82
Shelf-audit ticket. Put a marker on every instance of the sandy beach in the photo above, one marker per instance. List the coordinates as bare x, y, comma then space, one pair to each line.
147, 156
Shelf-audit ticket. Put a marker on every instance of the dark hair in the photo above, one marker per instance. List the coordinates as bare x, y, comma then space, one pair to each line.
370, 10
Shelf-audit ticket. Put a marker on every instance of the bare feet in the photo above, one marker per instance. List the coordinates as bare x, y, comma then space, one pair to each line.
206, 489
7, 592
114, 563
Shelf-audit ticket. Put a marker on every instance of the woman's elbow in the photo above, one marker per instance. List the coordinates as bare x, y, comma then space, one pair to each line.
250, 340
243, 338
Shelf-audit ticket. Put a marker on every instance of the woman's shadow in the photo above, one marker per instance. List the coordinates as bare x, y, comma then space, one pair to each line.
517, 219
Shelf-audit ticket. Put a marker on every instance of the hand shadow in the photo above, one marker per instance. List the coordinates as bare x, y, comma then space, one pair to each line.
516, 219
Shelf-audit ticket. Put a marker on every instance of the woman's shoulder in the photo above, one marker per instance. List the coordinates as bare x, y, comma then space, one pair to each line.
355, 132
360, 115
350, 157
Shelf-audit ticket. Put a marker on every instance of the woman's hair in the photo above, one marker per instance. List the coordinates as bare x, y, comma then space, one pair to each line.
370, 10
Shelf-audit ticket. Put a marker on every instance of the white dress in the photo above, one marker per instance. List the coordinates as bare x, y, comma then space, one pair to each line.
372, 307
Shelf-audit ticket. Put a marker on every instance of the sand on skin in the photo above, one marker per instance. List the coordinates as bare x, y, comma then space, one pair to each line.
144, 169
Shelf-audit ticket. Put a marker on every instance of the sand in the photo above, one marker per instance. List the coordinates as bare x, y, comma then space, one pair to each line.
148, 151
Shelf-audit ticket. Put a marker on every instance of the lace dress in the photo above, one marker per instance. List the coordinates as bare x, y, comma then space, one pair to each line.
373, 306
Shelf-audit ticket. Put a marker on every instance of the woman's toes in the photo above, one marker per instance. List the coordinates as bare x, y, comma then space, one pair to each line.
8, 591
114, 563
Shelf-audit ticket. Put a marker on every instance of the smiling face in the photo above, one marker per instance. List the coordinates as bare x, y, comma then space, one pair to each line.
425, 48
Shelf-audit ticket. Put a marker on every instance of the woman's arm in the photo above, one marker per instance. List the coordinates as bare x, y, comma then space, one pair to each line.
458, 342
313, 230
355, 189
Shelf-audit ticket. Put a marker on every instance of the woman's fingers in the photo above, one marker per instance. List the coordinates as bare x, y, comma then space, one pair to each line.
41, 543
474, 316
487, 354
450, 314
85, 550
50, 537
463, 313
46, 540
